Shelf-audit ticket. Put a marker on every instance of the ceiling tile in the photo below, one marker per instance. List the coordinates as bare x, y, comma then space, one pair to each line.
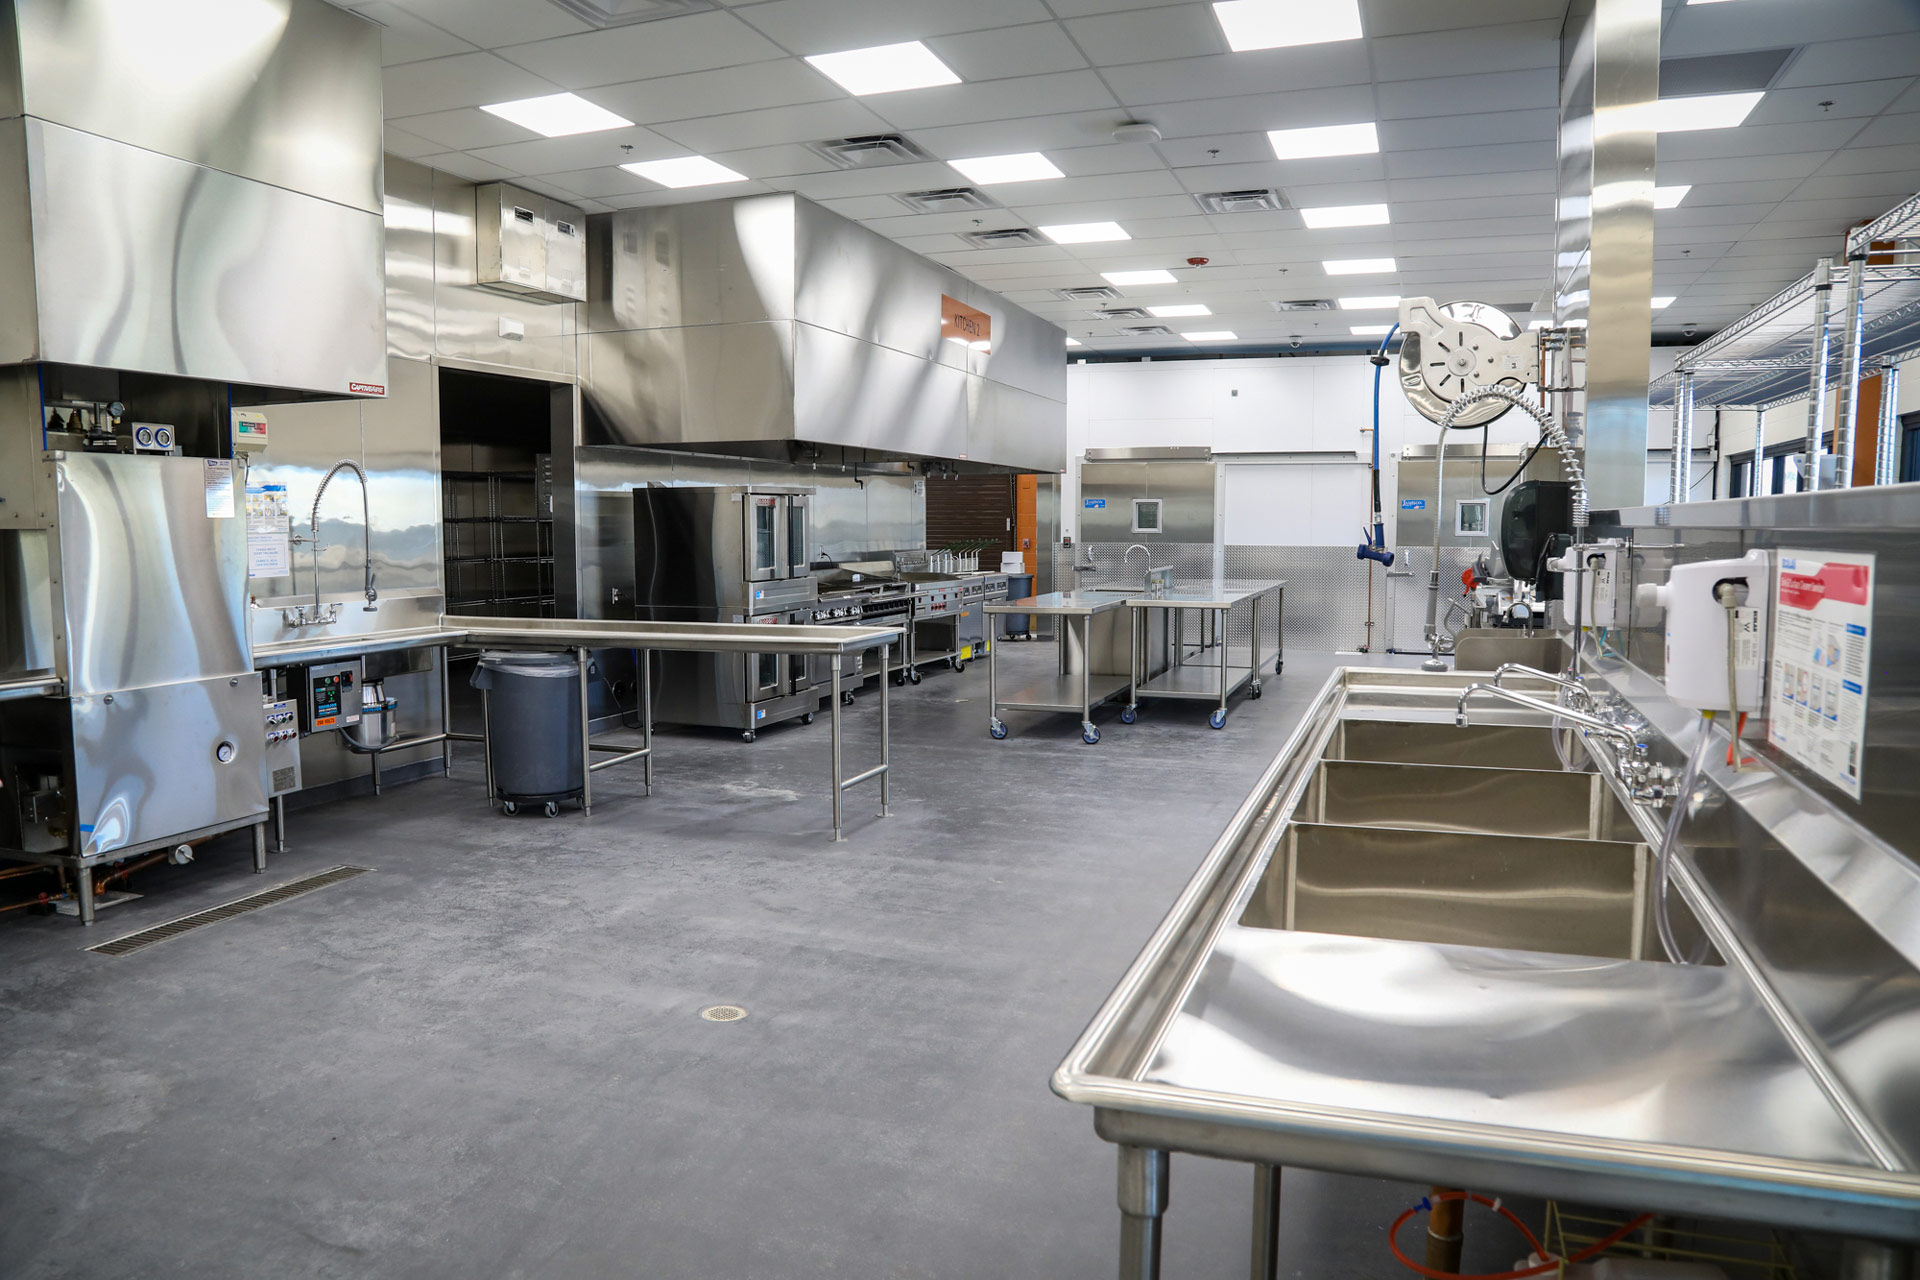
782, 160
1740, 169
1882, 57
1757, 140
670, 46
492, 23
463, 129
1436, 132
685, 195
464, 80
1506, 158
1049, 95
1889, 131
581, 151
783, 83
405, 38
408, 145
844, 184
603, 181
1341, 104
1504, 91
1863, 160
1148, 35
861, 208
1117, 157
1302, 68
1517, 46
1395, 17
1036, 213
1794, 106
829, 26
1037, 133
462, 165
810, 122
1031, 50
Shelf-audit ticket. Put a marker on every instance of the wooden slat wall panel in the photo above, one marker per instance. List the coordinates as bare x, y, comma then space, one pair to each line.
972, 509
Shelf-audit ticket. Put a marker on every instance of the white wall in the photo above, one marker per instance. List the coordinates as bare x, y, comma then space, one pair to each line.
1294, 435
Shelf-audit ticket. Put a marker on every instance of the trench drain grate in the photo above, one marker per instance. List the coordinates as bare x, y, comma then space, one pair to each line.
213, 915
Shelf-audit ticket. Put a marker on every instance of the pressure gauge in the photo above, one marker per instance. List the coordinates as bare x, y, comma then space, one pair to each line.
143, 437
225, 752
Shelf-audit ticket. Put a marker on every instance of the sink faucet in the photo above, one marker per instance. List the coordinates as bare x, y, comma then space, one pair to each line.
1521, 669
320, 614
1623, 737
1127, 559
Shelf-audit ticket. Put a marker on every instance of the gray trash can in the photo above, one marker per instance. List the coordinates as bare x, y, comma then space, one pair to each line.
533, 717
1019, 587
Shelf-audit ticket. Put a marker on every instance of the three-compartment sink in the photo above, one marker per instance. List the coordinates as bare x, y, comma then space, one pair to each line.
1475, 836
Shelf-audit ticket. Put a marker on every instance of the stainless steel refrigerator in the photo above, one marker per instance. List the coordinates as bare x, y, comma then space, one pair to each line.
727, 553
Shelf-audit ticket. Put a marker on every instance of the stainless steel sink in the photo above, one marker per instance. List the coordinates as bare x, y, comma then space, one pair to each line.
1502, 746
1502, 801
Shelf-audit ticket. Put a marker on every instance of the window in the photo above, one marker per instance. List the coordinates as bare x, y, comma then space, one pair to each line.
1470, 517
1740, 478
1146, 515
1909, 470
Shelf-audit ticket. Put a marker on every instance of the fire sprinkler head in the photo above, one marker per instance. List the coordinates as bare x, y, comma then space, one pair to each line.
1198, 262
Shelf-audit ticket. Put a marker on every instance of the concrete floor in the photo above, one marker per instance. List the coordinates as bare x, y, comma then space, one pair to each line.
485, 1059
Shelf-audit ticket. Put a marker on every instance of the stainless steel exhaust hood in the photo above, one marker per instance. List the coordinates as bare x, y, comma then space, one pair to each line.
193, 189
744, 325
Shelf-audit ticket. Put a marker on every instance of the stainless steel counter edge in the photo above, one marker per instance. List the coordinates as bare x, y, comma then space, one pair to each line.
571, 633
1062, 604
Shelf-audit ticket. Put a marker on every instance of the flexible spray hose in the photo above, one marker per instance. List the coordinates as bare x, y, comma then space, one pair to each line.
1662, 880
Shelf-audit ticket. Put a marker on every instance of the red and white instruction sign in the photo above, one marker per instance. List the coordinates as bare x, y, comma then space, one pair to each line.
1822, 654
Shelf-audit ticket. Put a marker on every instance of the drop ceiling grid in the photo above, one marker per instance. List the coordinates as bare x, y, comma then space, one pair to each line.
1463, 92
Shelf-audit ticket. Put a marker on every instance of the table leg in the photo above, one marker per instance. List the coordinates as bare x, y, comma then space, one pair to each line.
83, 893
260, 846
885, 737
1266, 1223
837, 775
486, 737
586, 737
1086, 680
646, 714
280, 824
1219, 631
1133, 657
446, 717
1143, 1201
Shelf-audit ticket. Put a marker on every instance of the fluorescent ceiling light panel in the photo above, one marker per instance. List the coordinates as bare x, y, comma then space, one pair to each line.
1704, 111
1125, 278
1271, 24
687, 171
1182, 309
1028, 166
1669, 197
885, 68
1075, 342
1371, 330
1212, 335
1359, 266
1329, 140
557, 115
1084, 232
1345, 215
1382, 302
1661, 304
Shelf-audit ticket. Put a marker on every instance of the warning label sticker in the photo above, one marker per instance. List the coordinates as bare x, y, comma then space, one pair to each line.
1822, 654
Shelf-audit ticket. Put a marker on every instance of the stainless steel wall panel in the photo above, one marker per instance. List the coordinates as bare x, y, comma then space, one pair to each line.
219, 278
467, 318
1010, 427
855, 393
283, 92
409, 222
26, 604
155, 590
714, 262
22, 504
707, 385
145, 762
19, 318
1185, 490
10, 104
397, 441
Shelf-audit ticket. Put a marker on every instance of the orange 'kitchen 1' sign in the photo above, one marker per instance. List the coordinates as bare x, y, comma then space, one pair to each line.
963, 324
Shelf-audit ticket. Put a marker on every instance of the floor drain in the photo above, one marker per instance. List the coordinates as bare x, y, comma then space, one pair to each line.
724, 1013
213, 915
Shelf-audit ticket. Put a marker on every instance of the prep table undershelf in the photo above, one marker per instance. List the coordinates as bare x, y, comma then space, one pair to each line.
1061, 693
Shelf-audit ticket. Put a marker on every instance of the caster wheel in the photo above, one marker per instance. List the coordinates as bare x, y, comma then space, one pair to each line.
1277, 666
1089, 734
846, 699
1253, 691
509, 808
749, 736
1218, 719
900, 681
551, 809
913, 675
953, 664
1129, 714
959, 666
807, 718
997, 729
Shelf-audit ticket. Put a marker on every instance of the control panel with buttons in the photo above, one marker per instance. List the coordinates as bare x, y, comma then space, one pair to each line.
281, 771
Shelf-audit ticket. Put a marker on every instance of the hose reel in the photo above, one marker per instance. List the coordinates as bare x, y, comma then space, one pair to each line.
1449, 350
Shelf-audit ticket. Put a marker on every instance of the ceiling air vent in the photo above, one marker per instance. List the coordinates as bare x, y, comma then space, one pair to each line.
1122, 313
623, 13
1305, 304
1011, 238
1252, 200
869, 151
945, 200
1088, 293
1149, 331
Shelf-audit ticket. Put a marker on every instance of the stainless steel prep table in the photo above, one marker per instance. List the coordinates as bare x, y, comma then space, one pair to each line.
1221, 676
580, 636
1071, 690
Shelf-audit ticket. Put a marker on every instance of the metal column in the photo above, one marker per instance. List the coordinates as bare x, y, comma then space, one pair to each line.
260, 845
1886, 452
586, 737
1680, 468
886, 734
1822, 349
1265, 1256
1762, 478
1843, 435
646, 714
837, 660
1143, 1200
